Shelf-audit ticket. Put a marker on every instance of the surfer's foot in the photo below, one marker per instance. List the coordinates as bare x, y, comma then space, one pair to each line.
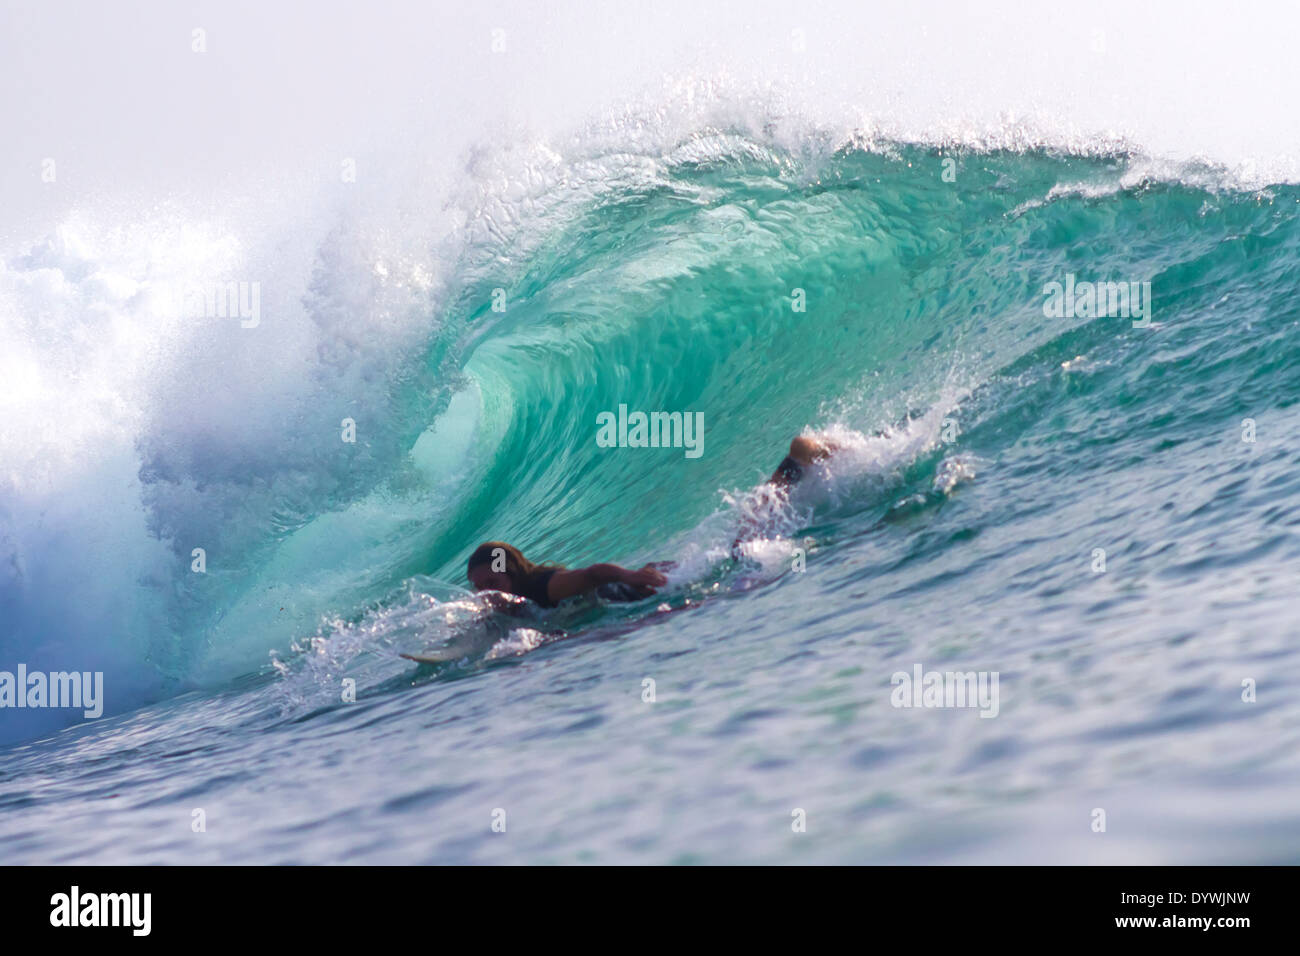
804, 451
808, 450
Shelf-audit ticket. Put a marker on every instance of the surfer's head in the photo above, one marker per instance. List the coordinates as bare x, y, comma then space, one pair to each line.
497, 566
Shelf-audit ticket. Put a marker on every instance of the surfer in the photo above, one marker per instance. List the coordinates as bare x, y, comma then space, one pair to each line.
497, 566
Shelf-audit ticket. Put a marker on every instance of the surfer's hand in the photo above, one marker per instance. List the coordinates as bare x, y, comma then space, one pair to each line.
645, 581
503, 602
650, 574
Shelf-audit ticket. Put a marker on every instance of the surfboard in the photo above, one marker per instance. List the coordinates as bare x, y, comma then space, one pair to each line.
433, 657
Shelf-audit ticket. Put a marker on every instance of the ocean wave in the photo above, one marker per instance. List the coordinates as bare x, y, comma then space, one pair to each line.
657, 259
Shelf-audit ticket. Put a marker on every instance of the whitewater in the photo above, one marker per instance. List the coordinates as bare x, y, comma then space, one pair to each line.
243, 525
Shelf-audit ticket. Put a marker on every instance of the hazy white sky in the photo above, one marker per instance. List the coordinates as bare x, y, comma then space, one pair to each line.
114, 93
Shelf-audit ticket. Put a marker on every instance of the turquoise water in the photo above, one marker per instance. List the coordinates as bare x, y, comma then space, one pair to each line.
990, 452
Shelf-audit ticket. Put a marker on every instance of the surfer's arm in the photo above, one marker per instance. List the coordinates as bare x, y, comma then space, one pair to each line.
571, 583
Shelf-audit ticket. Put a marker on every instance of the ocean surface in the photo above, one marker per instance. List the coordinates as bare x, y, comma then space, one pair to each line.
1100, 510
